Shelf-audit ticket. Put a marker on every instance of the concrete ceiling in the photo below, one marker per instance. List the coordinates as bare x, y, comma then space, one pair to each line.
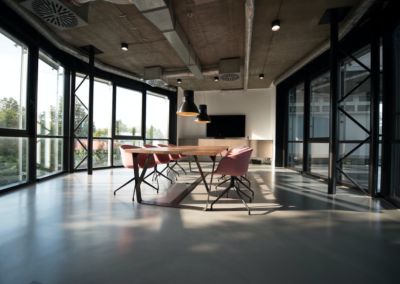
218, 26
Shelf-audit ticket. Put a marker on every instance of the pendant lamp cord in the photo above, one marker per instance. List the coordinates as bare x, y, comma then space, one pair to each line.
189, 15
269, 48
204, 56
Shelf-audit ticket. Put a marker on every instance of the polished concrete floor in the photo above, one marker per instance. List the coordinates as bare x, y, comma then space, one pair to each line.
72, 229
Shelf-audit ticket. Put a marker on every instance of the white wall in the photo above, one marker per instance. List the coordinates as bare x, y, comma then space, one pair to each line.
258, 105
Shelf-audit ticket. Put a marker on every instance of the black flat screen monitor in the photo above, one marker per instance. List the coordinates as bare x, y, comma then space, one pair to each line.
222, 126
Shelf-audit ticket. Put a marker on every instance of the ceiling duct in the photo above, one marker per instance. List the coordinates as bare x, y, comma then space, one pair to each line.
62, 45
59, 13
152, 76
160, 13
229, 69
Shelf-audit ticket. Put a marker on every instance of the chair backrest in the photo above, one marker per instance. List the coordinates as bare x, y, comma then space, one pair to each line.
236, 162
172, 157
127, 159
160, 158
180, 156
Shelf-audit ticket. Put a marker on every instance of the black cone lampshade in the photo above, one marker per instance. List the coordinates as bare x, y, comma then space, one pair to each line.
188, 107
203, 116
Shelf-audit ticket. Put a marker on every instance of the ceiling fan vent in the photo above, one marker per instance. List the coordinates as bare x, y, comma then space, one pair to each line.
229, 77
60, 14
152, 76
156, 83
229, 69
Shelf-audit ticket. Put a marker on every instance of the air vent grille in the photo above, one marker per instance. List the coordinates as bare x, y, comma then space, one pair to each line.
229, 77
156, 83
56, 13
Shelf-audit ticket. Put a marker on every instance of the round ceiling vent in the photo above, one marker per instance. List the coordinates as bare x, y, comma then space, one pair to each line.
229, 77
55, 13
156, 82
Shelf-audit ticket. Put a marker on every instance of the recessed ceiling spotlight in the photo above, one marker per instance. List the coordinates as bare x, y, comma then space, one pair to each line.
261, 76
178, 81
276, 25
124, 46
216, 79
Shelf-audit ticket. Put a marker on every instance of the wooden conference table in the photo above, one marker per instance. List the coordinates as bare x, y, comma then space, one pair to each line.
211, 151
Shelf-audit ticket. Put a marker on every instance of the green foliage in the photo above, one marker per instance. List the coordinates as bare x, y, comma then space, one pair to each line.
9, 113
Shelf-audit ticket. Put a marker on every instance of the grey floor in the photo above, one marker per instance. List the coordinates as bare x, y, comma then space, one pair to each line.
72, 229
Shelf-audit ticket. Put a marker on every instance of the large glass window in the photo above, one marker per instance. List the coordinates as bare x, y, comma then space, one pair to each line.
117, 152
128, 113
50, 118
395, 167
319, 158
319, 106
157, 119
13, 161
102, 112
13, 80
295, 155
13, 72
102, 124
296, 124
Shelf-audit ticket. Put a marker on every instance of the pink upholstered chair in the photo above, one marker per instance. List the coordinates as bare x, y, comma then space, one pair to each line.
176, 158
127, 161
172, 157
160, 159
235, 164
243, 177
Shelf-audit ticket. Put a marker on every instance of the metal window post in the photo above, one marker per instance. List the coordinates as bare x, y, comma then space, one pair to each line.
334, 88
374, 113
90, 127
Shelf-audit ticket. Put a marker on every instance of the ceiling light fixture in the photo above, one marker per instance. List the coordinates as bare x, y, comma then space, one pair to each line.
124, 46
276, 25
203, 116
179, 81
216, 79
188, 107
261, 76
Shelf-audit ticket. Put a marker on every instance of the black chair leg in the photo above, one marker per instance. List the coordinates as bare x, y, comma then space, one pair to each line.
221, 177
180, 167
243, 177
245, 204
252, 192
124, 185
222, 193
221, 183
237, 188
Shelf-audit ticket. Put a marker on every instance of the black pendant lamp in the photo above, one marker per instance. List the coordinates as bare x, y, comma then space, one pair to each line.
188, 107
203, 116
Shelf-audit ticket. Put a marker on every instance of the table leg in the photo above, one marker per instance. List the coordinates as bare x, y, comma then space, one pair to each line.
204, 180
213, 158
138, 180
190, 165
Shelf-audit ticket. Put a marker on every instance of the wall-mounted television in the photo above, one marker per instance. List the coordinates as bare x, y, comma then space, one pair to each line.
222, 126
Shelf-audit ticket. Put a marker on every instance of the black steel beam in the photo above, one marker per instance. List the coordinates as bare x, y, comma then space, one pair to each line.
388, 107
72, 119
354, 120
66, 122
355, 88
306, 123
374, 113
90, 128
31, 118
334, 88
